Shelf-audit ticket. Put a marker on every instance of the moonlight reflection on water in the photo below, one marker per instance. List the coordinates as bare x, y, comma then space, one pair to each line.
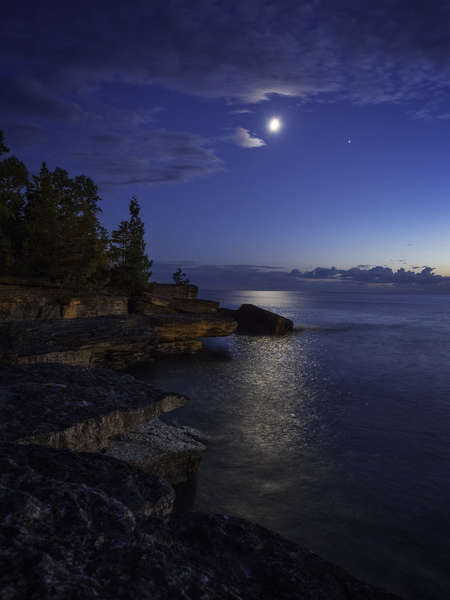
335, 436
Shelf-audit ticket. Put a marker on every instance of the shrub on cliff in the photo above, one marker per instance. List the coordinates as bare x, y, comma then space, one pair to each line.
130, 272
180, 278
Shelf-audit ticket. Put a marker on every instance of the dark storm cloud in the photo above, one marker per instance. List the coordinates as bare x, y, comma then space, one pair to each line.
368, 52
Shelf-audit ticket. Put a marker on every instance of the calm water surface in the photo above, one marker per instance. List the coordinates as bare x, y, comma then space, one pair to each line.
337, 436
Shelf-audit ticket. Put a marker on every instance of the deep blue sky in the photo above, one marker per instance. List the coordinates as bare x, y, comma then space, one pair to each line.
148, 98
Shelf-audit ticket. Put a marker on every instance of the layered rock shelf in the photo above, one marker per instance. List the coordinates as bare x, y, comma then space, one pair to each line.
75, 408
107, 341
105, 331
28, 299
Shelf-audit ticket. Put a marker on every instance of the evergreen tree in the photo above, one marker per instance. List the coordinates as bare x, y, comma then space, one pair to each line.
83, 259
42, 232
13, 182
64, 239
131, 266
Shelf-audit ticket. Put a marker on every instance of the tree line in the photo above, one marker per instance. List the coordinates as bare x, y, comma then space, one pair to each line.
50, 229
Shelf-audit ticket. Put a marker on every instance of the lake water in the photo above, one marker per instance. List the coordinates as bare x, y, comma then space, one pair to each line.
337, 436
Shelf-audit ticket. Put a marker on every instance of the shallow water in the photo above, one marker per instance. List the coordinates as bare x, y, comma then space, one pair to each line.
337, 436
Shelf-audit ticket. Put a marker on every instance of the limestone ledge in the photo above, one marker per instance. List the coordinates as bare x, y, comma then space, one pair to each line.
28, 299
35, 302
113, 342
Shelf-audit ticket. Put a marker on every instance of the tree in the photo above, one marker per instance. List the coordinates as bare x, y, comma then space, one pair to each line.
180, 278
84, 242
42, 231
64, 240
130, 272
13, 183
3, 147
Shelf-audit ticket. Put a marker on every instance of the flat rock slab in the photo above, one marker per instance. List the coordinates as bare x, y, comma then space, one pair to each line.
75, 407
170, 452
60, 538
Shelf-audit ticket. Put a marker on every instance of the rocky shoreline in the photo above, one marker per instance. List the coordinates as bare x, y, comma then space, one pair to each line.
87, 467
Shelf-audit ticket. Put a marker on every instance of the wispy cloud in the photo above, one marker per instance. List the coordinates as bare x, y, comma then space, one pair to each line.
156, 156
243, 138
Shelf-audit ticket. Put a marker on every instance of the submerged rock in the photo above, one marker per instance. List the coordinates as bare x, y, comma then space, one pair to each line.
76, 408
254, 320
170, 452
61, 538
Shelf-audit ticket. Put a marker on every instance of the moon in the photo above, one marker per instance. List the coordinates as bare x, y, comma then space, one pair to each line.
274, 125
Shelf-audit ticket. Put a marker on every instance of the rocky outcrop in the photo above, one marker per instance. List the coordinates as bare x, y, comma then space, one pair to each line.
170, 452
69, 530
75, 408
27, 302
254, 320
112, 342
103, 331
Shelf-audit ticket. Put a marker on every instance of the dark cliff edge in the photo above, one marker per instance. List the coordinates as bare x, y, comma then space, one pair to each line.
87, 467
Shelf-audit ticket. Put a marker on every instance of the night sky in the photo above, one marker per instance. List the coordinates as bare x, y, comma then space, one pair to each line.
171, 101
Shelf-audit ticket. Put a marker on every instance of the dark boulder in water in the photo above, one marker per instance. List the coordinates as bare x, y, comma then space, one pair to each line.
254, 320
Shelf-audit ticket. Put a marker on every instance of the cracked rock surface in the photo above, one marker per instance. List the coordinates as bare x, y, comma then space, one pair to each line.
73, 532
